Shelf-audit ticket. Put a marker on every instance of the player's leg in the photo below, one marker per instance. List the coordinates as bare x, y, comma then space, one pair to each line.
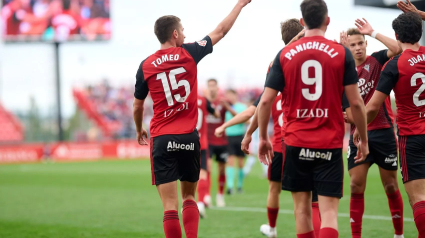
328, 180
303, 214
170, 202
164, 176
275, 186
230, 172
241, 175
358, 175
384, 149
317, 220
412, 164
189, 169
298, 178
221, 157
203, 183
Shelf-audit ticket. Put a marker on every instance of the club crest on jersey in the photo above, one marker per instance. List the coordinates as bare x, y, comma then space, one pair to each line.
202, 43
173, 146
307, 154
367, 67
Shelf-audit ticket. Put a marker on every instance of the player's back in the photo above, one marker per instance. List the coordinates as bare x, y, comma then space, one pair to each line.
410, 91
314, 69
171, 78
202, 122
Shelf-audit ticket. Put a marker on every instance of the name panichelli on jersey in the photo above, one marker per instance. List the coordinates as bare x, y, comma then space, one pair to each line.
173, 146
311, 46
307, 154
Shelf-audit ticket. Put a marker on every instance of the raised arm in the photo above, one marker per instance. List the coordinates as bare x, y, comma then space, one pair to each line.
366, 29
224, 27
409, 7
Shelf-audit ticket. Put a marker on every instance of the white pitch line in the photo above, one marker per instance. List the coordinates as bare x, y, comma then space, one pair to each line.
255, 209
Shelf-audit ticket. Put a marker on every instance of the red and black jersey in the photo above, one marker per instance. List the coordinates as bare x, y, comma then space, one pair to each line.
214, 122
170, 75
311, 74
278, 122
204, 108
405, 75
369, 73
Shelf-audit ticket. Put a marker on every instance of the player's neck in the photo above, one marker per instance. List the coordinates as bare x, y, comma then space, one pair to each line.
314, 32
168, 45
407, 46
360, 61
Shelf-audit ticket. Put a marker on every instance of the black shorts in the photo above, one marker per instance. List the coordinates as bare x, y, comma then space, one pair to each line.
412, 157
235, 146
382, 150
275, 169
219, 152
204, 156
308, 169
175, 157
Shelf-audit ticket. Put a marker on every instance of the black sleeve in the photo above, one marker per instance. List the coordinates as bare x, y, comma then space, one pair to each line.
210, 109
345, 103
255, 104
199, 49
141, 88
381, 56
350, 72
275, 78
389, 77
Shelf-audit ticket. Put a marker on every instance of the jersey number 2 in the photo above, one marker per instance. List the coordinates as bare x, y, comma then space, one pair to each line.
416, 100
317, 79
174, 85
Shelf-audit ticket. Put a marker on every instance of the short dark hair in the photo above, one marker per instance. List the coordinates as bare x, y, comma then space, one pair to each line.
165, 26
289, 29
212, 80
314, 13
354, 31
231, 91
408, 27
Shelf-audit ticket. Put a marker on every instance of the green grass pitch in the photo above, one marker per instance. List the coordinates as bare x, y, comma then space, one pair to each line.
115, 199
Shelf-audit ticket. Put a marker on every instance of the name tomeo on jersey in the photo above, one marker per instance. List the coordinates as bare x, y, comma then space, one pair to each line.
405, 75
170, 75
311, 74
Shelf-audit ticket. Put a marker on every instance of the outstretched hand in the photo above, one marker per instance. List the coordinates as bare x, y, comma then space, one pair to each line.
141, 137
244, 2
406, 7
364, 27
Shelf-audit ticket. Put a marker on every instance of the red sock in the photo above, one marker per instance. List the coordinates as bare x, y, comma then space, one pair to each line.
221, 182
171, 224
328, 232
202, 189
419, 216
307, 235
209, 183
317, 222
272, 215
396, 207
356, 214
190, 218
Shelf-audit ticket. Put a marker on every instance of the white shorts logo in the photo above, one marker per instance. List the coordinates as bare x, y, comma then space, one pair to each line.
173, 146
307, 154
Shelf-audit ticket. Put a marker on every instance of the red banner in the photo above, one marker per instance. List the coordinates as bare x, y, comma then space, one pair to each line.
73, 151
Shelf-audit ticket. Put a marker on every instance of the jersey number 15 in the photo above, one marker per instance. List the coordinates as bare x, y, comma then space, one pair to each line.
174, 85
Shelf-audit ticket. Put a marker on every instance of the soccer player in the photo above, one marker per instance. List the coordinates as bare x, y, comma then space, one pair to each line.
382, 140
312, 74
204, 109
234, 135
405, 75
218, 145
170, 75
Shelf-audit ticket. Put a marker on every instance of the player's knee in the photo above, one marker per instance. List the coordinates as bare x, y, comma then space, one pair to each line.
391, 188
357, 186
275, 188
302, 213
203, 174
